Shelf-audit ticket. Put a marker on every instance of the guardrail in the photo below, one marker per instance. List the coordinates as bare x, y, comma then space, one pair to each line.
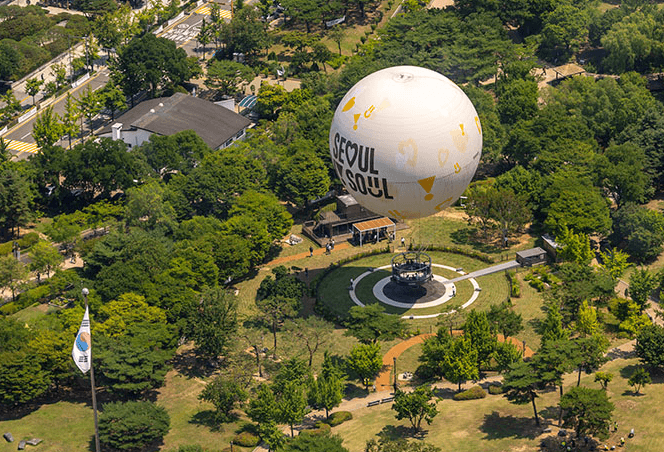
27, 115
81, 80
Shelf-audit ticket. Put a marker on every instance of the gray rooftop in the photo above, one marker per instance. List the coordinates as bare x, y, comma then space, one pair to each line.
532, 252
169, 115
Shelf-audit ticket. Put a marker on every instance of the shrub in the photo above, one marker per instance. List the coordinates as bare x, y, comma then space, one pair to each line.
9, 308
339, 417
132, 425
6, 248
495, 389
323, 429
476, 392
246, 439
34, 295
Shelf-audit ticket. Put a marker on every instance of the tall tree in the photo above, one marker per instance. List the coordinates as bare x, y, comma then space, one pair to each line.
325, 393
225, 394
16, 197
460, 362
650, 346
369, 324
587, 411
551, 329
641, 283
415, 406
477, 329
90, 104
45, 257
32, 87
292, 404
228, 77
12, 273
365, 360
313, 331
132, 425
504, 320
47, 128
70, 118
214, 323
520, 385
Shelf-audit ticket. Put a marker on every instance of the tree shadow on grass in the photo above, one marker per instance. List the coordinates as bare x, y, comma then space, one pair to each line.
188, 364
205, 418
627, 371
496, 426
445, 393
394, 432
550, 413
471, 236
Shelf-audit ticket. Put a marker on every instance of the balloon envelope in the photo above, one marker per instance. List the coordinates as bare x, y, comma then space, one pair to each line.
405, 142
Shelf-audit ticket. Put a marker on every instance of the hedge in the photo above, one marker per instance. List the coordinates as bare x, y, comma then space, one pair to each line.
246, 439
476, 392
495, 389
320, 430
339, 417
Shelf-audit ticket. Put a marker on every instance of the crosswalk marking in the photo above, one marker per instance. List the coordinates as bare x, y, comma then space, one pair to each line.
21, 146
206, 10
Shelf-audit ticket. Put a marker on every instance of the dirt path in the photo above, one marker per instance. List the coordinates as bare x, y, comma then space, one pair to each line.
295, 257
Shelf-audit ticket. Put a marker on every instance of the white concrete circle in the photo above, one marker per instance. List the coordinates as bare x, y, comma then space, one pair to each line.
378, 293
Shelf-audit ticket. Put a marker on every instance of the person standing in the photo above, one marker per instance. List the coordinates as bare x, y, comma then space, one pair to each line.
311, 251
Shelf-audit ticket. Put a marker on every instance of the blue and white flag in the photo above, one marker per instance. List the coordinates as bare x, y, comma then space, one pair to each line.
82, 350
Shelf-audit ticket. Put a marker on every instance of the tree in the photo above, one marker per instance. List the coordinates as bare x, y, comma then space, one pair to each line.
551, 329
45, 257
337, 35
639, 231
265, 207
313, 331
70, 118
228, 77
590, 353
639, 379
499, 206
650, 346
460, 362
12, 273
587, 411
224, 394
477, 329
302, 178
113, 99
136, 362
623, 171
553, 360
504, 320
604, 378
306, 11
180, 152
505, 355
146, 208
90, 103
214, 323
586, 322
325, 393
399, 445
16, 197
263, 408
517, 100
21, 377
369, 324
149, 63
615, 262
32, 86
314, 443
520, 385
292, 404
415, 406
47, 128
132, 426
641, 284
365, 361
565, 29
277, 309
574, 247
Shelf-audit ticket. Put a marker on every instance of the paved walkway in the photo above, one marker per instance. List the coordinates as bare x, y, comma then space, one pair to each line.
487, 271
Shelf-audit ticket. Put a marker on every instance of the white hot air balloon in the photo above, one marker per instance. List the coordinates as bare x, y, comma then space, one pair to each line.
405, 142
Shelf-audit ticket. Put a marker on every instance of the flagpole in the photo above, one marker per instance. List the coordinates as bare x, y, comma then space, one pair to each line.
85, 292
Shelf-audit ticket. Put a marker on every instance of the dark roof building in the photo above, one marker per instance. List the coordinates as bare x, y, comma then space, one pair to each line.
216, 125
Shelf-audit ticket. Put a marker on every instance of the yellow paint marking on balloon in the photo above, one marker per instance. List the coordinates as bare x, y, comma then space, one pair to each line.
477, 123
457, 168
349, 104
440, 206
395, 214
369, 111
427, 185
408, 148
443, 161
356, 116
460, 139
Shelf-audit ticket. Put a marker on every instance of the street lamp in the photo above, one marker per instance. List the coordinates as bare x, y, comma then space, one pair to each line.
395, 375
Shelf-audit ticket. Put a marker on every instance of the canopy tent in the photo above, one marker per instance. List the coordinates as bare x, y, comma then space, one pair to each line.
248, 102
373, 225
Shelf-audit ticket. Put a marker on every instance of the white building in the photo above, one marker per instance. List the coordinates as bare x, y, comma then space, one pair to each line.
219, 127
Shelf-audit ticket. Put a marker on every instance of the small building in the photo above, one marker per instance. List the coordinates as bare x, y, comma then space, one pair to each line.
530, 257
551, 246
219, 127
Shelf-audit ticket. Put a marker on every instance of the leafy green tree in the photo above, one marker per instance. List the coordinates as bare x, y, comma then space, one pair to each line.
325, 393
45, 257
47, 128
615, 262
365, 360
118, 318
16, 198
32, 87
51, 348
506, 354
181, 152
265, 207
477, 329
113, 99
517, 100
641, 283
582, 209
22, 378
146, 208
639, 379
630, 43
132, 426
504, 320
650, 346
460, 362
520, 385
623, 170
292, 404
225, 394
337, 34
314, 443
565, 29
12, 273
551, 329
302, 178
500, 207
277, 309
148, 63
639, 231
136, 362
228, 77
70, 118
270, 100
574, 247
305, 11
245, 33
370, 324
590, 354
587, 411
553, 360
415, 406
90, 103
262, 408
214, 323
604, 378
586, 323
